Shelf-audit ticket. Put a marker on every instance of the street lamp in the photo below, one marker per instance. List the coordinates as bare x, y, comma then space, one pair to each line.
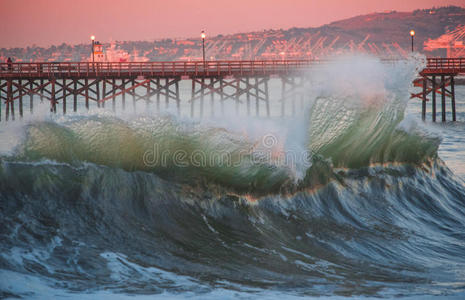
92, 37
412, 34
203, 36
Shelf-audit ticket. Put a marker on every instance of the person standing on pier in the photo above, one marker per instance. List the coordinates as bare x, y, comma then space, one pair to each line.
9, 62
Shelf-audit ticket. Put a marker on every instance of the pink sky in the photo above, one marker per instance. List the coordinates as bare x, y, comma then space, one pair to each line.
46, 22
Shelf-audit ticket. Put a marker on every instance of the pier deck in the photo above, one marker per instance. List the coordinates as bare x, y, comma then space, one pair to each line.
105, 81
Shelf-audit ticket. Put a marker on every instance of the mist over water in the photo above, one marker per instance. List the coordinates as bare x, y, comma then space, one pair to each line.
354, 197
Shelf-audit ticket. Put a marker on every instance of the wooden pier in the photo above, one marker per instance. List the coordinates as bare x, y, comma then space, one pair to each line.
440, 77
63, 84
158, 82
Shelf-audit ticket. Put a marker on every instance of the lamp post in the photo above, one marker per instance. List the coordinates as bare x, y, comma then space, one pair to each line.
203, 36
92, 38
412, 34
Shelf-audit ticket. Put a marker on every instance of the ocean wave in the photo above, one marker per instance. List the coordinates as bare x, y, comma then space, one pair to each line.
383, 226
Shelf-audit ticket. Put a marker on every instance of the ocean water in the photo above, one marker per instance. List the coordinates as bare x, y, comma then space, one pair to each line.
452, 147
354, 197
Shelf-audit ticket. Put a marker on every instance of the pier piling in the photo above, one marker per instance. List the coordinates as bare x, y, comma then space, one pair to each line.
31, 97
443, 99
423, 100
53, 97
75, 93
64, 96
133, 93
9, 101
452, 97
113, 92
434, 99
20, 97
257, 97
123, 95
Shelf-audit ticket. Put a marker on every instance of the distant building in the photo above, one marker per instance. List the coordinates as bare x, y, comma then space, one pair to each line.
453, 42
115, 54
98, 52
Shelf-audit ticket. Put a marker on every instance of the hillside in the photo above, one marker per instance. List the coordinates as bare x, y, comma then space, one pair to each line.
384, 34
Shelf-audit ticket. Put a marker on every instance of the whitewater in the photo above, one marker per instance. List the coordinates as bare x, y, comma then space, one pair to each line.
355, 197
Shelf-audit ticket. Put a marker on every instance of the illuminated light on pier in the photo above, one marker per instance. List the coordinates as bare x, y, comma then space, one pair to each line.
412, 34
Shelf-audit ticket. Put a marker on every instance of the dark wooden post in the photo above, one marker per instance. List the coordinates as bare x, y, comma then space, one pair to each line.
86, 91
9, 97
167, 92
31, 96
423, 102
257, 97
443, 98
147, 94
12, 103
64, 96
123, 87
222, 96
267, 98
158, 94
1, 102
104, 90
134, 95
238, 86
202, 94
434, 98
178, 98
192, 97
97, 90
452, 91
52, 96
75, 95
212, 97
20, 97
113, 92
41, 90
248, 96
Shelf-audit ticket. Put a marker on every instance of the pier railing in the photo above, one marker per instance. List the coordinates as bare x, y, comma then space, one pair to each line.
173, 68
445, 65
192, 68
